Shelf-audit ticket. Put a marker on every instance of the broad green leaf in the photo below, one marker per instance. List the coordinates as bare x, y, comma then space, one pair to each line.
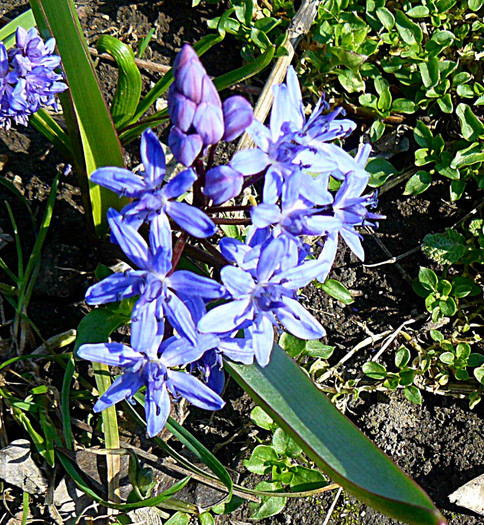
474, 154
381, 170
419, 11
316, 348
305, 478
403, 105
475, 360
428, 279
386, 18
422, 134
331, 441
7, 33
445, 103
430, 72
444, 248
179, 518
100, 142
471, 127
291, 344
269, 506
475, 5
261, 419
402, 357
128, 88
457, 188
261, 460
418, 183
337, 290
285, 445
409, 31
412, 393
479, 374
374, 370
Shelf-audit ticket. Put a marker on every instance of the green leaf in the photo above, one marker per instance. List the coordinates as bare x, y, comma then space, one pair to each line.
402, 357
376, 131
305, 479
471, 127
206, 519
448, 307
457, 188
179, 518
444, 248
374, 370
380, 171
7, 33
337, 290
447, 358
99, 139
409, 31
128, 88
403, 105
412, 393
475, 360
386, 18
422, 134
261, 419
285, 445
428, 279
45, 124
418, 183
479, 374
331, 441
430, 72
261, 460
315, 348
445, 103
291, 344
474, 154
419, 11
269, 506
475, 5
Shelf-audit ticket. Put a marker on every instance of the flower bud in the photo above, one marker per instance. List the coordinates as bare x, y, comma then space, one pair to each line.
184, 147
222, 183
238, 115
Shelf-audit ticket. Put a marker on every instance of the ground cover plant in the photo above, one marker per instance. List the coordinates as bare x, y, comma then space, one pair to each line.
223, 255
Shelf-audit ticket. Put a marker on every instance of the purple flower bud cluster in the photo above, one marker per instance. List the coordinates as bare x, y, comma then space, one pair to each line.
27, 77
199, 119
177, 332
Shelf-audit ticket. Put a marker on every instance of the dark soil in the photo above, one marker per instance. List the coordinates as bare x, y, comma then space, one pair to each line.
439, 444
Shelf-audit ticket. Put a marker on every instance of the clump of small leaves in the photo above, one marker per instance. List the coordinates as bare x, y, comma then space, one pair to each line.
279, 457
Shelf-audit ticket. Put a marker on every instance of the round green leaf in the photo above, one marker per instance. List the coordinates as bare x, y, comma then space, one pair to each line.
374, 370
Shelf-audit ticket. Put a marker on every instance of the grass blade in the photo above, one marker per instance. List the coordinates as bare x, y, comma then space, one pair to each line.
7, 33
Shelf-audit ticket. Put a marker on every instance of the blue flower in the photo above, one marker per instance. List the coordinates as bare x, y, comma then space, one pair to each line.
155, 282
151, 197
263, 293
27, 77
152, 368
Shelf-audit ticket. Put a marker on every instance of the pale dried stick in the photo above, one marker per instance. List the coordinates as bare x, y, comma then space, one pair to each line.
298, 27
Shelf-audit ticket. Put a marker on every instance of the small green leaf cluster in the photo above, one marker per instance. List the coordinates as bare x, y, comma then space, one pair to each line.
404, 377
252, 24
441, 295
281, 460
444, 360
452, 247
423, 58
459, 161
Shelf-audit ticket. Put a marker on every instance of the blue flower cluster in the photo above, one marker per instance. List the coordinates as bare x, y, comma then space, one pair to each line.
265, 268
27, 77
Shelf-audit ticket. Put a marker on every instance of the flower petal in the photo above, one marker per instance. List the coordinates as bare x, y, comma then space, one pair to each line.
250, 162
112, 354
188, 283
297, 320
195, 391
119, 180
179, 184
130, 241
180, 318
262, 333
157, 408
238, 282
153, 158
124, 386
191, 219
113, 288
227, 317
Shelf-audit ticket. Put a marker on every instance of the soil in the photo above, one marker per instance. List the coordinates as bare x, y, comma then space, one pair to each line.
439, 444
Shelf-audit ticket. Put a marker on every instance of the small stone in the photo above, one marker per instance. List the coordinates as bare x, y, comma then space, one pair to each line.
470, 495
